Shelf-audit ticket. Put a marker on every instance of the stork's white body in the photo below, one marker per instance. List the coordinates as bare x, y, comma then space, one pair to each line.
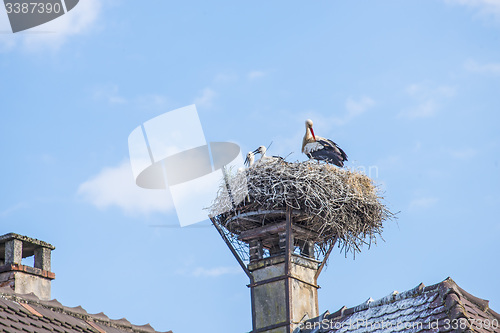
263, 158
318, 148
249, 161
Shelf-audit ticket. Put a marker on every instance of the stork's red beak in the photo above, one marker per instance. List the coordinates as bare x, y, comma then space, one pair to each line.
312, 132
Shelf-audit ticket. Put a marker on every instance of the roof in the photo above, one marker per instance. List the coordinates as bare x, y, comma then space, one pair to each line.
26, 312
443, 307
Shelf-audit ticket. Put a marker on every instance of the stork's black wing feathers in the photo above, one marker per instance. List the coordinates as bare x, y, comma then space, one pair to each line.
329, 143
330, 153
329, 156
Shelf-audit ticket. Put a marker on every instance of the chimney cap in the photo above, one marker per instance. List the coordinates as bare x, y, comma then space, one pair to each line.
29, 244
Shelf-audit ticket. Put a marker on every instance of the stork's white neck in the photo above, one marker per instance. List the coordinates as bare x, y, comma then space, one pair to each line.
308, 135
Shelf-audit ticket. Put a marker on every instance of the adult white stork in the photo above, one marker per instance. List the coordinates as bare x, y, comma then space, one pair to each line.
321, 149
250, 159
263, 158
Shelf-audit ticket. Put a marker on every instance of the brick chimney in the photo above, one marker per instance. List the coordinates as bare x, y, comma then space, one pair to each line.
21, 278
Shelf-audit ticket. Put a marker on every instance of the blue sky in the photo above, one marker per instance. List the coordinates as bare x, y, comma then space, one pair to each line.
410, 88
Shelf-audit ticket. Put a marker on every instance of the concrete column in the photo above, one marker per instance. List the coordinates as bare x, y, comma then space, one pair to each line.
42, 258
270, 294
13, 251
256, 250
282, 241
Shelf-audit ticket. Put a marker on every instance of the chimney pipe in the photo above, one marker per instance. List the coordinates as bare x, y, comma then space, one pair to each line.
21, 278
283, 268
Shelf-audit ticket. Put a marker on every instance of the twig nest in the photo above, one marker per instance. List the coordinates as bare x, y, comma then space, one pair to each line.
328, 201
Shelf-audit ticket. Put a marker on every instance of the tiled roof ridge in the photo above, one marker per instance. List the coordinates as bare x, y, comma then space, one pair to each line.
447, 288
444, 303
391, 298
453, 296
78, 311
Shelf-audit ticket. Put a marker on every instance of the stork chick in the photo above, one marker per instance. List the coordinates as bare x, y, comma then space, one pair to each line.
263, 158
250, 159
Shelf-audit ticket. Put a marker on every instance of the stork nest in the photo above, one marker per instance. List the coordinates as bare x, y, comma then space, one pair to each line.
332, 204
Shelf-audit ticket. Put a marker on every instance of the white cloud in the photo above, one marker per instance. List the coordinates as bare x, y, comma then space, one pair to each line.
428, 100
354, 108
55, 33
357, 107
424, 91
10, 210
110, 94
425, 109
256, 74
423, 202
151, 101
485, 7
225, 78
463, 154
445, 91
115, 186
390, 163
206, 98
490, 68
216, 271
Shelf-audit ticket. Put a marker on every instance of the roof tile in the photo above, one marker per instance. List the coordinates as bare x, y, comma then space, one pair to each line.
77, 309
421, 309
55, 304
336, 314
28, 329
35, 323
57, 329
451, 301
31, 297
30, 310
32, 315
146, 327
6, 290
100, 316
96, 327
122, 322
16, 326
47, 326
